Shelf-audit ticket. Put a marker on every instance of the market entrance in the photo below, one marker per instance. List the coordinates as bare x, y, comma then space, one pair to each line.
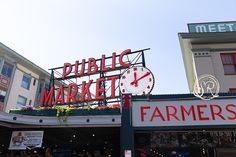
68, 142
204, 143
83, 142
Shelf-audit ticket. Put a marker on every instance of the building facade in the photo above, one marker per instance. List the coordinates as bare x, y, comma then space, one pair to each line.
210, 51
21, 81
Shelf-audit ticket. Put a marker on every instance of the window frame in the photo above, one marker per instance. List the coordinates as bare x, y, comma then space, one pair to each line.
233, 54
18, 103
2, 92
7, 66
23, 81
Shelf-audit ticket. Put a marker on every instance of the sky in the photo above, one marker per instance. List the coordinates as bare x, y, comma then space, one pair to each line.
52, 32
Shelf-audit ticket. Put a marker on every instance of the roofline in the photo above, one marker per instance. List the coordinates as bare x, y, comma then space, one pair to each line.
205, 34
171, 97
25, 59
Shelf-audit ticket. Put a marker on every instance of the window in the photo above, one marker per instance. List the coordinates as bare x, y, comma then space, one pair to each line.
26, 81
34, 82
2, 95
21, 101
229, 63
7, 69
30, 102
232, 90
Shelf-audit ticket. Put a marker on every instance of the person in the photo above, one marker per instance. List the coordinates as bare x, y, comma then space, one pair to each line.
48, 152
18, 139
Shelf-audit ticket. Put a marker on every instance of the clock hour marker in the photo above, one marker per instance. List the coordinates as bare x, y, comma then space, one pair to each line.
148, 87
123, 77
121, 84
150, 79
135, 69
123, 90
128, 71
143, 92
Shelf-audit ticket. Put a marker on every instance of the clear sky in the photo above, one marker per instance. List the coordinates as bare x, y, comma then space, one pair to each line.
52, 32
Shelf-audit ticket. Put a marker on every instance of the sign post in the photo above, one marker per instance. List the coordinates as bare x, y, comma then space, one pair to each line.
126, 131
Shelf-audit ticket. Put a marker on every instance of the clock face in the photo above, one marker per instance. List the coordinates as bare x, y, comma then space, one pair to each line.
137, 80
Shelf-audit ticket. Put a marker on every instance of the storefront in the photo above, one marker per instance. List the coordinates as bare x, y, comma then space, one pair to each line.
183, 126
80, 136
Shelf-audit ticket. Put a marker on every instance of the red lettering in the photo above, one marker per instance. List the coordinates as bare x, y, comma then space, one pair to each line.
47, 97
67, 68
142, 112
72, 92
113, 61
215, 113
86, 91
157, 113
77, 73
200, 112
122, 63
103, 65
113, 80
99, 90
60, 95
173, 114
92, 66
228, 108
191, 110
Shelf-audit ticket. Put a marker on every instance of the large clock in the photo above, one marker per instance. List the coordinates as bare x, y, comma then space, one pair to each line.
136, 80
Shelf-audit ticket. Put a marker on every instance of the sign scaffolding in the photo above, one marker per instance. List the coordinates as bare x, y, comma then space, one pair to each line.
92, 81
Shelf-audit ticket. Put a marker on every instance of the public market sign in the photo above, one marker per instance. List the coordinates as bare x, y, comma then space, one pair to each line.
184, 113
73, 93
212, 27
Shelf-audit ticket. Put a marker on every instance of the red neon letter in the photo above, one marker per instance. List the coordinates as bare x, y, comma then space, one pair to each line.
99, 90
47, 97
103, 65
72, 92
86, 91
142, 112
60, 95
113, 61
77, 73
168, 114
113, 80
200, 112
92, 66
231, 111
157, 113
218, 112
191, 109
121, 58
66, 70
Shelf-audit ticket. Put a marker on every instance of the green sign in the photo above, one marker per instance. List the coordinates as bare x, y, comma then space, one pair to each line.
212, 27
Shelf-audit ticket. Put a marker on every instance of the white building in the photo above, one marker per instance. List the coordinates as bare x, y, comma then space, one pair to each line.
21, 81
211, 53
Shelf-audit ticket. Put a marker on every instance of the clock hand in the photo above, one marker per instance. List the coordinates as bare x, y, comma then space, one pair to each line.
136, 81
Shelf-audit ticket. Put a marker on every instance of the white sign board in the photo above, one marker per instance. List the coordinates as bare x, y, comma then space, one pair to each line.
25, 139
128, 153
184, 113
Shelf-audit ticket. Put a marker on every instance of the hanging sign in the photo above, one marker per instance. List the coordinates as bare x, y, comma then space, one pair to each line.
26, 139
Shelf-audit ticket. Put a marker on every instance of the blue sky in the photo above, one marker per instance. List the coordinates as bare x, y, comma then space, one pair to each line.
52, 32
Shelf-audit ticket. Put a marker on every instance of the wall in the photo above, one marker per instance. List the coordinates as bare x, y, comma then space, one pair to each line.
209, 62
17, 90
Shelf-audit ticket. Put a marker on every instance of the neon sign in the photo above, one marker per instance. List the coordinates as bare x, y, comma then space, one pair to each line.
73, 93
